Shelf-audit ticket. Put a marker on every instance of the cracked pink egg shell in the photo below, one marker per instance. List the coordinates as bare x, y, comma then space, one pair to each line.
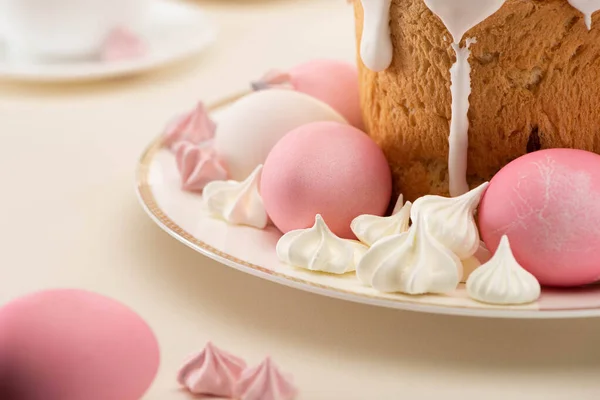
325, 168
74, 345
548, 204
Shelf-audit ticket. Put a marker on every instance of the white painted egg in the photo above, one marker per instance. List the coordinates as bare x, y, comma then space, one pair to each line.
249, 128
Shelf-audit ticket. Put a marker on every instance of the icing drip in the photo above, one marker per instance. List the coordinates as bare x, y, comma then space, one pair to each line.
460, 89
459, 16
588, 8
376, 48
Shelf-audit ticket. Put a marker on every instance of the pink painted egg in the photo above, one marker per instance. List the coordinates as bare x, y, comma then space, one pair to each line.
548, 203
333, 82
74, 345
325, 168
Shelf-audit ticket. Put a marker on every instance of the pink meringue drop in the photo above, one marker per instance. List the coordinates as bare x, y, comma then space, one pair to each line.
198, 165
331, 81
122, 44
265, 382
212, 372
194, 126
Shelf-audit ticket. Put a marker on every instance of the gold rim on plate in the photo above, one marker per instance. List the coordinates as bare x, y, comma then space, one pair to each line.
410, 303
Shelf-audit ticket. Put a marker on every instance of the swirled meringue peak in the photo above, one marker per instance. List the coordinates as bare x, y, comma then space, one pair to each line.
194, 126
371, 228
198, 165
238, 203
265, 382
413, 262
319, 249
502, 280
212, 372
450, 220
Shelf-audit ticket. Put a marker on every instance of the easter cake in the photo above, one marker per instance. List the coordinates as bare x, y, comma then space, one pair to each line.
534, 71
462, 150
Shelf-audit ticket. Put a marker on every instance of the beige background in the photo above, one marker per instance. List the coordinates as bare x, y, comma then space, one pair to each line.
69, 218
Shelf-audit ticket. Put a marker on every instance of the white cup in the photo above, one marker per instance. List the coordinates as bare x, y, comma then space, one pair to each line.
63, 29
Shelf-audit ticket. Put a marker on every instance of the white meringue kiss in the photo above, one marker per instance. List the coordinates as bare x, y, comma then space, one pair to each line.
450, 220
413, 262
502, 280
371, 228
319, 249
237, 203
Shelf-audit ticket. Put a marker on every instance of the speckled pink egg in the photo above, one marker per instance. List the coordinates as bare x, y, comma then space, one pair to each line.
333, 82
74, 345
548, 203
325, 168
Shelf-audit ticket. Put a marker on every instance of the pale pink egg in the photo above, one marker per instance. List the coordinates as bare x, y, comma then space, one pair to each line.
325, 168
331, 81
548, 203
74, 345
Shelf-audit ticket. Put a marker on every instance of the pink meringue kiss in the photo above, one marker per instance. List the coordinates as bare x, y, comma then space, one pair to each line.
198, 165
212, 372
122, 44
331, 81
265, 382
194, 126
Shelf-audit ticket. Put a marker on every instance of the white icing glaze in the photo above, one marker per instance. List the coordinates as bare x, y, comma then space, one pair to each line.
319, 249
371, 228
237, 203
460, 89
450, 220
502, 280
413, 262
459, 16
587, 8
376, 48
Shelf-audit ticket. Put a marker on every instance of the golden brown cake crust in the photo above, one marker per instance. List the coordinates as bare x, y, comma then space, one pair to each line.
535, 84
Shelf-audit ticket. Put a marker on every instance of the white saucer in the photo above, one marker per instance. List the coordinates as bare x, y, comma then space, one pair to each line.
172, 31
183, 216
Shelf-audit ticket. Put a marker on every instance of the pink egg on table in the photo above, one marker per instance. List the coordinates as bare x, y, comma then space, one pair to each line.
74, 345
332, 81
325, 168
548, 203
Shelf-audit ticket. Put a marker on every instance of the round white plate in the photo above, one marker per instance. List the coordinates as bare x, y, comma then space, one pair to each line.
172, 32
183, 216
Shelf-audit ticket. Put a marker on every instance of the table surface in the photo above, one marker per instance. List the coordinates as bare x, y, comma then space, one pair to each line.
70, 219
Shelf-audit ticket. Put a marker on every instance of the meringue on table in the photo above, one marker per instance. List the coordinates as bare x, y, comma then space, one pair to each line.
319, 249
502, 280
237, 203
265, 382
212, 372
